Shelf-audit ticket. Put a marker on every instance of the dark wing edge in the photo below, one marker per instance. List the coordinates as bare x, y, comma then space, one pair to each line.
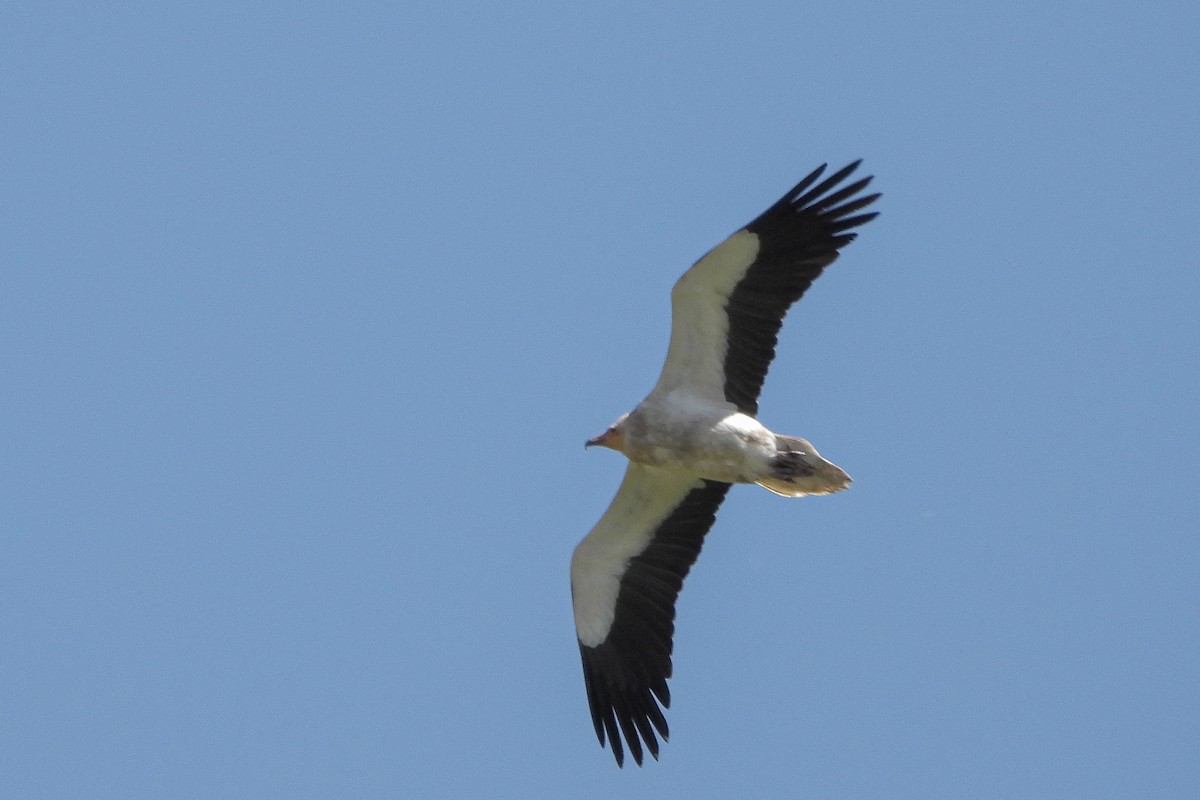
626, 674
798, 237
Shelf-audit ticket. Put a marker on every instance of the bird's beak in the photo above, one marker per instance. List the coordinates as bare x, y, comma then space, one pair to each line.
611, 438
603, 440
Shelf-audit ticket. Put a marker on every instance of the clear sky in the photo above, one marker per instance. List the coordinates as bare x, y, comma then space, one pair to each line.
306, 311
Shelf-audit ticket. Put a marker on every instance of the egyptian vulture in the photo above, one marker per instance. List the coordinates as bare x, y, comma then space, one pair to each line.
692, 437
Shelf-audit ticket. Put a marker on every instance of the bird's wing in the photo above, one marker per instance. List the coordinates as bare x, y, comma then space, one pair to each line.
727, 309
625, 576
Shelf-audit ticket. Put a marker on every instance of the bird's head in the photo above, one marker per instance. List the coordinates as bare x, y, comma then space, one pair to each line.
613, 438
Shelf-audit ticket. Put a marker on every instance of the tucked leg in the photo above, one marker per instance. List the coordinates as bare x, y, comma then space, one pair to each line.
789, 466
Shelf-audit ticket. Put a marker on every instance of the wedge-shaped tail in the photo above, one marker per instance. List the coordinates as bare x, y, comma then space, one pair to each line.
800, 470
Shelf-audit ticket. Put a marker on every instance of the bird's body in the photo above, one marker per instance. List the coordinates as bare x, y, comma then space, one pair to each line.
689, 440
715, 441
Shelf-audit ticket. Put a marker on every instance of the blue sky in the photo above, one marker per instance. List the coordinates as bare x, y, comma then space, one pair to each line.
306, 312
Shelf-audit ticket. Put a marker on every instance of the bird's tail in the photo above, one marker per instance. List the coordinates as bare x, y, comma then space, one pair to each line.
798, 469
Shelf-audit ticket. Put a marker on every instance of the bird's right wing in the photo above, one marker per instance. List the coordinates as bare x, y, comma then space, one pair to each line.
625, 577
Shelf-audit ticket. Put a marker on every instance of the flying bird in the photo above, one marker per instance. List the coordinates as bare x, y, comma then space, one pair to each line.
694, 436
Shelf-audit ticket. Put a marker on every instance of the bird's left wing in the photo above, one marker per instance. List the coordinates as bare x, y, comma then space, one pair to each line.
727, 309
625, 577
